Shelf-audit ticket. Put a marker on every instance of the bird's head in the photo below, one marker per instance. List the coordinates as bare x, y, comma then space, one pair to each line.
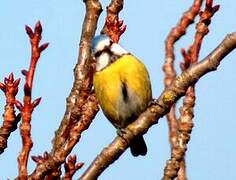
105, 51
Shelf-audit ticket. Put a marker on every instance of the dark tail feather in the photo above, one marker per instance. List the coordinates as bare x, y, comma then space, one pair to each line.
138, 146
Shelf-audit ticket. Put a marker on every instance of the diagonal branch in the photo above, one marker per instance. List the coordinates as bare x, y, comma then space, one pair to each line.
151, 116
83, 73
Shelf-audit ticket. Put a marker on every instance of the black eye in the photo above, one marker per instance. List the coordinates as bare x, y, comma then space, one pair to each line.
97, 54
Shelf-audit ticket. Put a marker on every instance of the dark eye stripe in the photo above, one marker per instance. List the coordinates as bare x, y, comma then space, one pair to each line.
97, 54
106, 49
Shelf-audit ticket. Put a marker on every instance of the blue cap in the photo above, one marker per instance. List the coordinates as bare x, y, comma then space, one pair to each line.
98, 39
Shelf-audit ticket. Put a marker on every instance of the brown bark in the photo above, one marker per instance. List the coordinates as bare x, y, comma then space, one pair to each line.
82, 105
10, 119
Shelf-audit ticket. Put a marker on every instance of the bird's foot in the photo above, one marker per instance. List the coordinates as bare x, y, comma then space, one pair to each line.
154, 102
122, 132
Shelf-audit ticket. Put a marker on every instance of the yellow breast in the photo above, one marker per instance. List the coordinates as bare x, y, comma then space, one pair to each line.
123, 90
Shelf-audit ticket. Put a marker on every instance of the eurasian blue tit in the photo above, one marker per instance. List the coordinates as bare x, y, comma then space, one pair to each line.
122, 86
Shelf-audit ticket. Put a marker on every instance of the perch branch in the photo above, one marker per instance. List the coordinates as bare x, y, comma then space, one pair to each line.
163, 104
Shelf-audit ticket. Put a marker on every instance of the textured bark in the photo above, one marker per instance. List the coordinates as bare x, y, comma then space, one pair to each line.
82, 105
10, 119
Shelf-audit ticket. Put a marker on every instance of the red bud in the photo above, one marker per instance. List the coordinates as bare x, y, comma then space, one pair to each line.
79, 165
216, 8
38, 28
29, 31
43, 47
16, 82
18, 105
36, 102
3, 87
24, 72
11, 77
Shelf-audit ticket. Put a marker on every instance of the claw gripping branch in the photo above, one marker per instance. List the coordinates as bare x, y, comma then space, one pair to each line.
26, 108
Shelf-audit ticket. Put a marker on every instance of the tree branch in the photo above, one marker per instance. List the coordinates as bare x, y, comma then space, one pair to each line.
10, 119
27, 107
82, 105
113, 11
175, 34
163, 104
187, 110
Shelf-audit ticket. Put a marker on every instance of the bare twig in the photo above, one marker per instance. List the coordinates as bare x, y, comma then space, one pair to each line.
175, 34
26, 109
173, 167
10, 120
113, 11
177, 89
82, 105
55, 174
71, 166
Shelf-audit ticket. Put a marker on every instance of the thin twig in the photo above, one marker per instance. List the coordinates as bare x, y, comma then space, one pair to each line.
26, 109
113, 10
151, 116
175, 168
175, 34
10, 119
71, 166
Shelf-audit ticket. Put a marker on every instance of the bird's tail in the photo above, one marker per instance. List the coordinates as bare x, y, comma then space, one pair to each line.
138, 146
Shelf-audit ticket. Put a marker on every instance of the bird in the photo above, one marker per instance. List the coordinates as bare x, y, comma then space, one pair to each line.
122, 86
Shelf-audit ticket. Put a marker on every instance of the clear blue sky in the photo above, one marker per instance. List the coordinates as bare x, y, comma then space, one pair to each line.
211, 151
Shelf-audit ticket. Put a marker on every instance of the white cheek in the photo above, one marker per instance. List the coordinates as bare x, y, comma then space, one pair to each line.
118, 50
102, 61
100, 46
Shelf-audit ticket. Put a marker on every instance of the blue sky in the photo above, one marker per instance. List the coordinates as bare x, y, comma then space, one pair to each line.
211, 151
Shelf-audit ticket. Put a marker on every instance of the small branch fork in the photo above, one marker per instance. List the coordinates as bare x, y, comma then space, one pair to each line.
27, 107
10, 119
176, 166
